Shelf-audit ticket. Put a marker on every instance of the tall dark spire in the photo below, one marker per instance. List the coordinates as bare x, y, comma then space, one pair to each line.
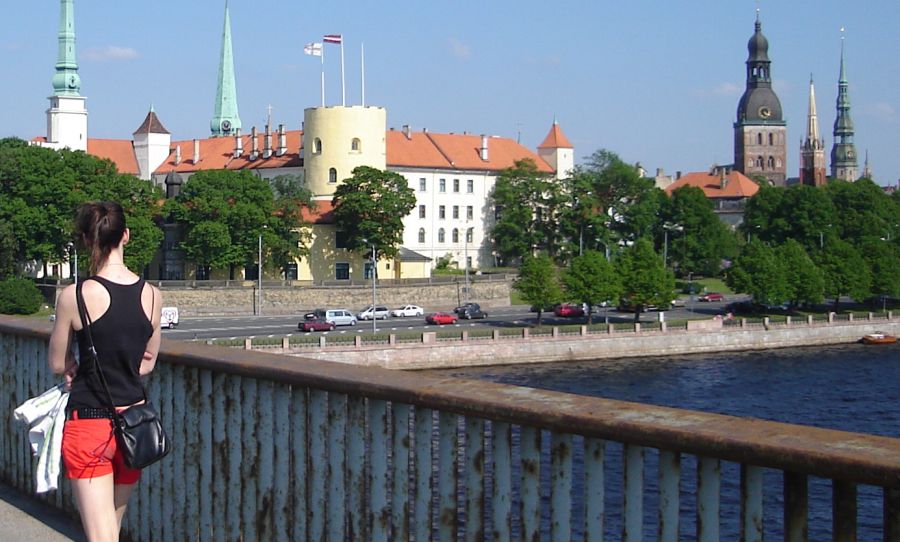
812, 149
844, 163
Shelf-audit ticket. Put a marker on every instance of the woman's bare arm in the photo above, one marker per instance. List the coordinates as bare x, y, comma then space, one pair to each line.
152, 350
60, 356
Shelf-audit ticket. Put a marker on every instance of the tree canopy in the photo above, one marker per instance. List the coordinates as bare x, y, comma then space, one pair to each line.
645, 281
538, 283
369, 208
591, 279
697, 241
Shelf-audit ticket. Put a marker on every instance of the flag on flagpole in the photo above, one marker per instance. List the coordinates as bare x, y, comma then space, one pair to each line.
313, 49
333, 38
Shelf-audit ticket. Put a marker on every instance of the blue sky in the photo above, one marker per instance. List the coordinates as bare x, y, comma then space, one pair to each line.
656, 82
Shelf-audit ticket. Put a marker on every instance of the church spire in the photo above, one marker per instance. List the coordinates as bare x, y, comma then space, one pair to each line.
843, 153
66, 81
812, 149
225, 119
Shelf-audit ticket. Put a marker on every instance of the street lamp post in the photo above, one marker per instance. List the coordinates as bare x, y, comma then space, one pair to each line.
666, 228
374, 295
466, 256
259, 278
74, 248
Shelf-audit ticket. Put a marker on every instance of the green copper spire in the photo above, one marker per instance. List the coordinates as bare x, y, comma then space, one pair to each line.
843, 153
225, 119
66, 81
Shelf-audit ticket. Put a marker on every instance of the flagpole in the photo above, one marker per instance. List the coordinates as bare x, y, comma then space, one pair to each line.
343, 95
362, 64
323, 75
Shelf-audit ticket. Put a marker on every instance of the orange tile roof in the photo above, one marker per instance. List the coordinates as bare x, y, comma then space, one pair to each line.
556, 139
738, 185
120, 151
218, 153
322, 212
464, 152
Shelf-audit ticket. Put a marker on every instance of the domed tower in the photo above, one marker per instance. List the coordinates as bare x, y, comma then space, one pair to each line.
760, 133
338, 139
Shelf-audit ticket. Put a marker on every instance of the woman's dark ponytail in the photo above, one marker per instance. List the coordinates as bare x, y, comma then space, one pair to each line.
100, 226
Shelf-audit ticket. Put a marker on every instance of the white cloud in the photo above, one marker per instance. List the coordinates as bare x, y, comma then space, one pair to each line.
727, 89
882, 111
109, 53
459, 49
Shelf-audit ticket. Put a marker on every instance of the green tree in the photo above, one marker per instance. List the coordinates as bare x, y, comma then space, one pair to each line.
538, 283
7, 251
19, 296
758, 272
369, 208
592, 279
289, 237
224, 213
883, 260
529, 204
865, 211
845, 271
805, 283
645, 279
801, 212
697, 240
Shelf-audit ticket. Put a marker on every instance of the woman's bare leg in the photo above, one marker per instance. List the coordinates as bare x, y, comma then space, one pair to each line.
96, 499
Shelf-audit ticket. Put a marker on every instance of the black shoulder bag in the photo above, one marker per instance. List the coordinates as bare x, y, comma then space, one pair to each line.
139, 432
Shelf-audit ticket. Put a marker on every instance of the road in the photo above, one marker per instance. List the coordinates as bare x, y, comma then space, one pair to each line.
237, 327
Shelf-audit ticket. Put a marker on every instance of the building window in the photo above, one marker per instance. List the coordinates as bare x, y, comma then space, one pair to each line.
442, 185
470, 233
759, 139
771, 162
421, 211
355, 145
470, 186
455, 235
760, 163
470, 212
340, 239
456, 185
317, 146
421, 235
332, 175
423, 184
202, 272
442, 212
771, 139
456, 211
341, 271
441, 235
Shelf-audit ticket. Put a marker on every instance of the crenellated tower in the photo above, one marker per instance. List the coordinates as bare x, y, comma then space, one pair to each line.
812, 149
225, 120
67, 115
760, 132
843, 153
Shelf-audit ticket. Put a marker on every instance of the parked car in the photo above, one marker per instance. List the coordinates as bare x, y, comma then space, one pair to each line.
338, 317
470, 311
408, 310
711, 296
440, 318
548, 308
312, 322
380, 312
169, 317
568, 310
679, 302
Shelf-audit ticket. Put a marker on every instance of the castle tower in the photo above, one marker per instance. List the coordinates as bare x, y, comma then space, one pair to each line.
760, 132
338, 139
67, 115
557, 151
151, 145
225, 120
843, 152
812, 149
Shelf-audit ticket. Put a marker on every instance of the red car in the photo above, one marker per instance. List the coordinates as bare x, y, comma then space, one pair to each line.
440, 318
315, 324
712, 296
566, 310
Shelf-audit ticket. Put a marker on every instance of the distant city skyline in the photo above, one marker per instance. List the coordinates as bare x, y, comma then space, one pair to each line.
657, 84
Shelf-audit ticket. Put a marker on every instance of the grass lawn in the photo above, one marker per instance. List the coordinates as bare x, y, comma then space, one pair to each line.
710, 284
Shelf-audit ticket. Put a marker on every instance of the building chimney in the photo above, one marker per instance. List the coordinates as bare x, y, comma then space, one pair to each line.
177, 154
267, 149
282, 141
659, 172
677, 175
406, 131
723, 177
238, 144
196, 158
254, 144
484, 147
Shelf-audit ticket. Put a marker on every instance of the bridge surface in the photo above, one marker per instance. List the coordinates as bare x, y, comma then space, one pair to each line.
26, 519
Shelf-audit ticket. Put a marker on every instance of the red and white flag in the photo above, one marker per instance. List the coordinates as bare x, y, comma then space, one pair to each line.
332, 38
313, 49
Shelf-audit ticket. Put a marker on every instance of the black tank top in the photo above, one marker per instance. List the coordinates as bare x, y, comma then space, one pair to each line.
120, 337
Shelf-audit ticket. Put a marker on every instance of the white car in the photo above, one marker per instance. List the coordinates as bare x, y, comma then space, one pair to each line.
408, 310
380, 313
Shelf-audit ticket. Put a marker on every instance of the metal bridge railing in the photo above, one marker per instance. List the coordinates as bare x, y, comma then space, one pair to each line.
275, 448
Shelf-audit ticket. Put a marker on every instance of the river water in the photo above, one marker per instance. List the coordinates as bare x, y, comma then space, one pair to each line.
848, 387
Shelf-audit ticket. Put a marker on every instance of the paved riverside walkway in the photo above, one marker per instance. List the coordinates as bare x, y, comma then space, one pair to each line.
26, 519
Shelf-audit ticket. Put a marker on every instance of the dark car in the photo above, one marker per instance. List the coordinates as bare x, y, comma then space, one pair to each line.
567, 310
470, 311
315, 322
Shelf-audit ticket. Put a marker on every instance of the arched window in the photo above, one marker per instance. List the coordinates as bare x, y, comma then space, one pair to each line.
332, 175
441, 235
771, 162
760, 163
469, 234
421, 235
355, 145
317, 146
455, 235
771, 139
759, 139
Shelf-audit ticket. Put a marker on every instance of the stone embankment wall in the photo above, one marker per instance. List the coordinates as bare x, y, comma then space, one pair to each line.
236, 301
519, 350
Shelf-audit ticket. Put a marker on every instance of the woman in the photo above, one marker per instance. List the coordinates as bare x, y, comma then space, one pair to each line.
125, 316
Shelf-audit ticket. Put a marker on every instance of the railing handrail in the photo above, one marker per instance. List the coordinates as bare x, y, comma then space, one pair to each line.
852, 457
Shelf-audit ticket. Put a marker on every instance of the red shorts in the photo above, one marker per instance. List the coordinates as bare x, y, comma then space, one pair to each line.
89, 451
